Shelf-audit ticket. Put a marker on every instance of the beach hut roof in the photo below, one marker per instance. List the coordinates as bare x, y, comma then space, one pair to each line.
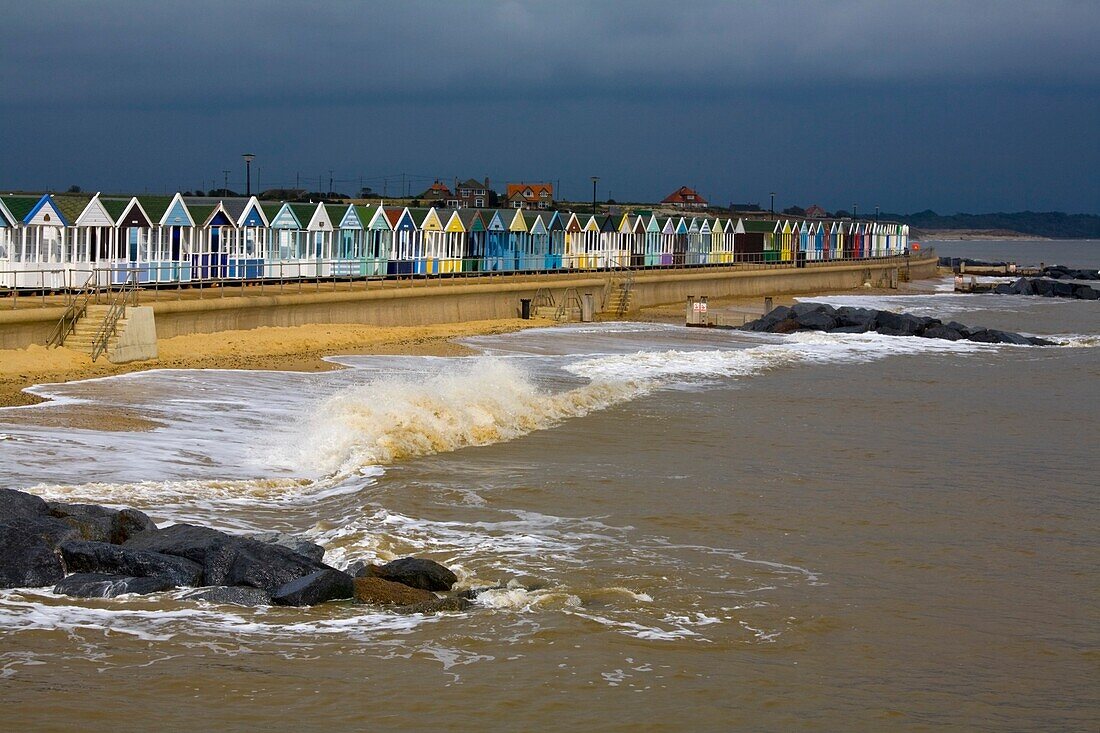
469, 217
5, 215
252, 214
94, 214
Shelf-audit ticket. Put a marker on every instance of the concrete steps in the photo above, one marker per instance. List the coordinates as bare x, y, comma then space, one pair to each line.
84, 333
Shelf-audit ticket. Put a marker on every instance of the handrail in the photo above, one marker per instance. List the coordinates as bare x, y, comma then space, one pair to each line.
116, 309
76, 309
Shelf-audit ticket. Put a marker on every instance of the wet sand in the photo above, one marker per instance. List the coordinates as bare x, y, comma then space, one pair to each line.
297, 348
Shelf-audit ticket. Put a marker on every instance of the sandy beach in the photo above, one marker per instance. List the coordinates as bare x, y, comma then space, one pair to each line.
298, 348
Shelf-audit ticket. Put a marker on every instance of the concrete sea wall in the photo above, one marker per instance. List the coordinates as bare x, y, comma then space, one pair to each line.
469, 299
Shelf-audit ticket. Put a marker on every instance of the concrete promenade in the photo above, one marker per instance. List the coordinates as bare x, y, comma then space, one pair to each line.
444, 300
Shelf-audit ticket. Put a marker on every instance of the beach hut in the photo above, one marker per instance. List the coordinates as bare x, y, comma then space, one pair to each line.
92, 234
538, 240
406, 242
38, 244
246, 252
668, 242
638, 240
516, 257
496, 242
758, 242
287, 243
591, 258
473, 250
454, 243
574, 242
320, 230
8, 225
217, 238
432, 242
680, 243
176, 234
555, 227
652, 241
607, 254
349, 260
379, 248
817, 233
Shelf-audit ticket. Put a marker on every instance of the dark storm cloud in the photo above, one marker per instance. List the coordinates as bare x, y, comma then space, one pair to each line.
139, 92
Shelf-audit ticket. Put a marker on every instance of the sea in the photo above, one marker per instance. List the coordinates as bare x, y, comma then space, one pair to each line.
691, 530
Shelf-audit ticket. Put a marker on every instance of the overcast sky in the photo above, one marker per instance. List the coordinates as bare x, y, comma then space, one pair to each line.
971, 105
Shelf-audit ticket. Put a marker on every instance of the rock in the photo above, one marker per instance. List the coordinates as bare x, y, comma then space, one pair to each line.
418, 572
1063, 290
21, 504
959, 328
1037, 341
237, 596
863, 317
102, 524
768, 320
387, 592
817, 321
365, 570
940, 331
100, 585
451, 603
100, 557
1005, 289
1084, 292
302, 546
897, 324
471, 593
27, 559
324, 585
227, 559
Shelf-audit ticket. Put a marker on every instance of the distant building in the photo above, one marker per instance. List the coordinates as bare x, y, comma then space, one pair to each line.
438, 191
685, 198
816, 212
474, 194
530, 195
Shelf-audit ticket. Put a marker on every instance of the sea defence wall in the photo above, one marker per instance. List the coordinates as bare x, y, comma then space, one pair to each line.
471, 299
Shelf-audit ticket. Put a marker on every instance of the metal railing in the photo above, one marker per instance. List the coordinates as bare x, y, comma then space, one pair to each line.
126, 295
185, 279
76, 309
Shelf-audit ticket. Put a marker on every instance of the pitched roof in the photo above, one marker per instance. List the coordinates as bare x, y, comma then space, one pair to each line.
20, 206
437, 190
529, 191
681, 196
72, 205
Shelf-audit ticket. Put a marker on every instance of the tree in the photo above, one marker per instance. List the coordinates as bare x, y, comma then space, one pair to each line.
794, 211
74, 189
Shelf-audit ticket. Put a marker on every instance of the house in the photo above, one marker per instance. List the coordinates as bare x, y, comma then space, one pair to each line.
685, 198
530, 195
474, 194
816, 212
438, 191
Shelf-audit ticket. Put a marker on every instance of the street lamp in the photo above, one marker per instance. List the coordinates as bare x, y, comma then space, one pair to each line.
248, 157
876, 212
772, 194
854, 206
594, 179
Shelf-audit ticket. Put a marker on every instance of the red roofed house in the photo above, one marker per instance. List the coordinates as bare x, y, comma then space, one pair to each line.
531, 195
438, 191
685, 198
816, 212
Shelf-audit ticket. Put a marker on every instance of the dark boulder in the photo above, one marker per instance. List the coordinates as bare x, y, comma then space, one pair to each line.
898, 324
959, 328
940, 331
1038, 341
387, 593
1084, 292
302, 546
770, 319
848, 329
27, 558
1063, 290
1006, 289
102, 524
101, 585
816, 320
439, 605
418, 572
848, 317
21, 504
324, 585
237, 596
227, 559
100, 557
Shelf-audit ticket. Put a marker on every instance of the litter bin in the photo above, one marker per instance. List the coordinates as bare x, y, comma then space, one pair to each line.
525, 308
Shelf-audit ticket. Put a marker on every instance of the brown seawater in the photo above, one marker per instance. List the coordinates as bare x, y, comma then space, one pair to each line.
702, 530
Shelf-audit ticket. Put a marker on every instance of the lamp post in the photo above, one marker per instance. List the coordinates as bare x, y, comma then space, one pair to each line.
248, 157
772, 194
854, 207
876, 212
594, 179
